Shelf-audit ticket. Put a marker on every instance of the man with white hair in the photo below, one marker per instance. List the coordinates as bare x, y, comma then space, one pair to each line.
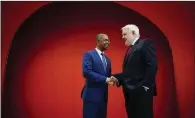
138, 74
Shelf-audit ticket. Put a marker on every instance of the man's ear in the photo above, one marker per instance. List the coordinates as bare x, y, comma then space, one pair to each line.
133, 32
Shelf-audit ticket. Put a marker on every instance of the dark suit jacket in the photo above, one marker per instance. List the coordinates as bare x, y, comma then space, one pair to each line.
139, 67
95, 88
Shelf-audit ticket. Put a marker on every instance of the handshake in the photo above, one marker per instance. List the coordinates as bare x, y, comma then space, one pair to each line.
112, 81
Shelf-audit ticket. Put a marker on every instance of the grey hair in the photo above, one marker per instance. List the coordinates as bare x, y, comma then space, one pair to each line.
132, 27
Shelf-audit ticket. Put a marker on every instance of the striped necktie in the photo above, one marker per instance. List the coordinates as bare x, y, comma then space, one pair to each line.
104, 61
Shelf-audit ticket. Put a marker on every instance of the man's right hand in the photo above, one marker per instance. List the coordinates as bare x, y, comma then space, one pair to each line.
112, 81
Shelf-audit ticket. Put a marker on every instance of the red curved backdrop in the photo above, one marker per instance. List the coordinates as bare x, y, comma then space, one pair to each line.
44, 70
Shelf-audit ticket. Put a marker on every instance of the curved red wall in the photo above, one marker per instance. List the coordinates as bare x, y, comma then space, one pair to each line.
33, 98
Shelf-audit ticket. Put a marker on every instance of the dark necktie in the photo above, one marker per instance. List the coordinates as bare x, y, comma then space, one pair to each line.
104, 61
129, 50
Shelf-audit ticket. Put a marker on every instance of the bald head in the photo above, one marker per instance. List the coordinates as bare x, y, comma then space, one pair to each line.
102, 41
100, 36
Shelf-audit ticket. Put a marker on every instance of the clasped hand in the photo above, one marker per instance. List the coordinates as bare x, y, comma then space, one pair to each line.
112, 81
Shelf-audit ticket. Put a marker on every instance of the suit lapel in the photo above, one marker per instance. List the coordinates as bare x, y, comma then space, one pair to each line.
108, 64
98, 59
129, 56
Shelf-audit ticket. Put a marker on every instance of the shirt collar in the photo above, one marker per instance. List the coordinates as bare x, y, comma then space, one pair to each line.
99, 52
134, 41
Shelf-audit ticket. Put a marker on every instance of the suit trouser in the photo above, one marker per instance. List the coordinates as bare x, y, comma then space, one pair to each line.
94, 109
139, 103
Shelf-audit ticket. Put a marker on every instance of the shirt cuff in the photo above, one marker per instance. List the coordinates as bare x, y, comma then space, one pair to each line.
107, 79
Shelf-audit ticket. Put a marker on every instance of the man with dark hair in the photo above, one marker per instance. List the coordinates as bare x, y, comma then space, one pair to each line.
96, 71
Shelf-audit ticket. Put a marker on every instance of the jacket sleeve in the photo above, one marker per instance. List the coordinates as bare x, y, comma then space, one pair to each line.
150, 60
88, 73
120, 77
